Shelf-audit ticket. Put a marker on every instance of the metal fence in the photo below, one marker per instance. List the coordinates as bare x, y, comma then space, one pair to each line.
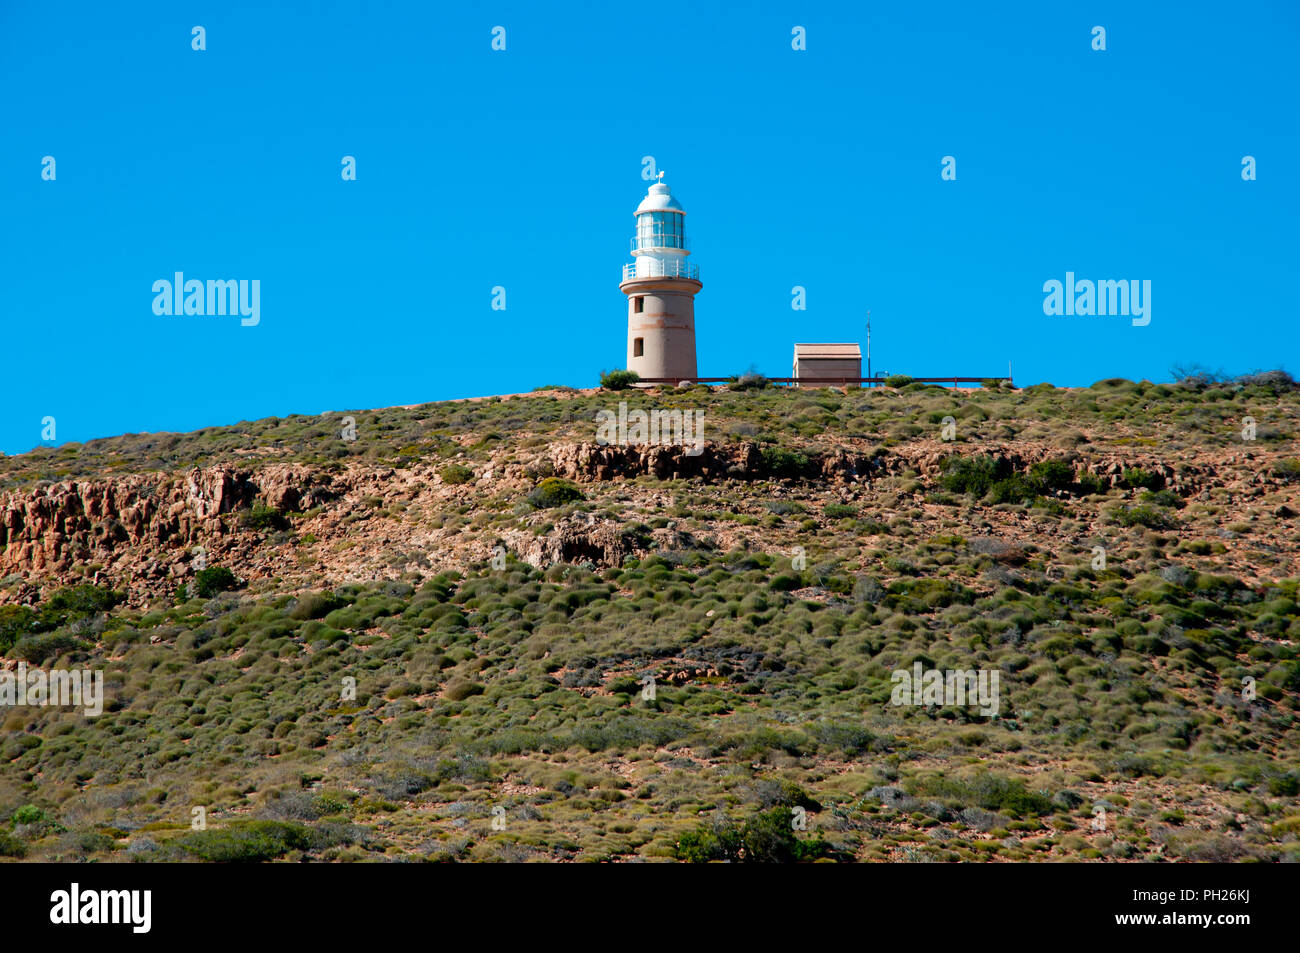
654, 268
831, 381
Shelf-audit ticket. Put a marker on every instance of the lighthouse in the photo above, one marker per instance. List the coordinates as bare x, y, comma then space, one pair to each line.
661, 285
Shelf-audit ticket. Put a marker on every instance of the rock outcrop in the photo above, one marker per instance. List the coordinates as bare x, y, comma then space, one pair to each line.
746, 461
48, 529
140, 532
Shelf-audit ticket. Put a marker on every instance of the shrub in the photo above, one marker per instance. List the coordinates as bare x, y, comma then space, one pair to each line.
1137, 478
913, 596
780, 462
989, 791
36, 649
29, 814
1014, 489
262, 517
974, 475
1089, 483
456, 474
82, 600
11, 846
1196, 377
1278, 381
1287, 470
1162, 498
208, 582
458, 689
65, 605
1147, 516
985, 476
94, 842
316, 605
897, 380
766, 838
1284, 785
251, 841
553, 492
618, 380
1049, 475
837, 511
15, 623
748, 381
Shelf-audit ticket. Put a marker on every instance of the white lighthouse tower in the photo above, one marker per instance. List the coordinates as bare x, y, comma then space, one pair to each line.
661, 286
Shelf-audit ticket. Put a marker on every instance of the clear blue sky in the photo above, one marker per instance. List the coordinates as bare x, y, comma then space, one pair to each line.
521, 168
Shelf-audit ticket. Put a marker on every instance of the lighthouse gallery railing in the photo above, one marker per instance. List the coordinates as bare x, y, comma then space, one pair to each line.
654, 268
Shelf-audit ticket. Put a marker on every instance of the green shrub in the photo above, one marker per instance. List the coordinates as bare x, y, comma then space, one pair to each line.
262, 517
1014, 489
1137, 478
975, 475
37, 649
1163, 498
29, 814
553, 492
11, 846
247, 842
989, 791
316, 605
95, 842
82, 600
897, 380
915, 596
1284, 785
208, 582
15, 623
1048, 475
766, 838
839, 511
456, 474
1287, 470
458, 689
1090, 483
780, 462
1142, 516
618, 380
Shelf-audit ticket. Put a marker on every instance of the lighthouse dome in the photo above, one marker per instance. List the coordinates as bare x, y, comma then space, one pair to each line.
659, 199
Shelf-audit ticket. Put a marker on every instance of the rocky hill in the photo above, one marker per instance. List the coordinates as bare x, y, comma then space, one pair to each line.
470, 631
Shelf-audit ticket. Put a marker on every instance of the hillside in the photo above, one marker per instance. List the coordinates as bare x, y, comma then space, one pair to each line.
501, 588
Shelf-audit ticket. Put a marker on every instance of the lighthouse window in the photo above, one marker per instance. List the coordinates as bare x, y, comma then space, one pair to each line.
660, 230
638, 344
638, 304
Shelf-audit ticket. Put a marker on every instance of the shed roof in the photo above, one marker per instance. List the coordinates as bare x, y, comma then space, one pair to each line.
804, 352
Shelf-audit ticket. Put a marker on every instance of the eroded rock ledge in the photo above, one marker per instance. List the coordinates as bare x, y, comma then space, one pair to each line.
51, 527
746, 461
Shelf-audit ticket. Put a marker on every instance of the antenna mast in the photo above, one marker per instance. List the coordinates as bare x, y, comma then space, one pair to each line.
869, 348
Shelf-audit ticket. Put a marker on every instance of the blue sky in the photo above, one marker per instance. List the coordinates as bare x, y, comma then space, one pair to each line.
521, 169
